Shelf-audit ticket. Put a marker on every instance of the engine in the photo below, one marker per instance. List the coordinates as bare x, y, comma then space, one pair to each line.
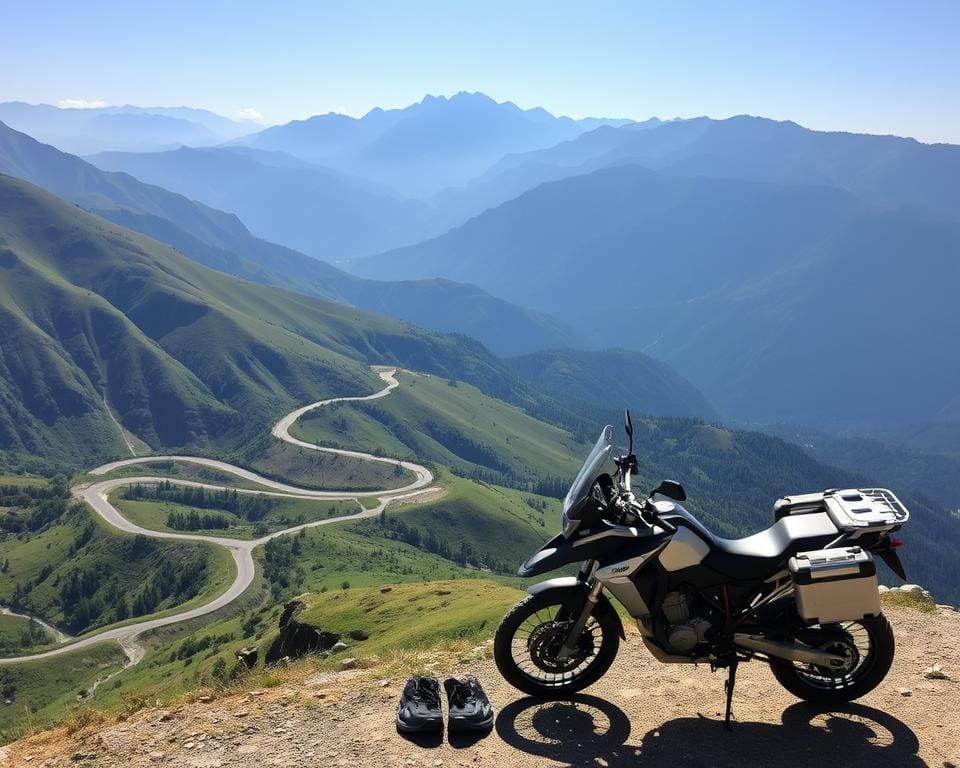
685, 631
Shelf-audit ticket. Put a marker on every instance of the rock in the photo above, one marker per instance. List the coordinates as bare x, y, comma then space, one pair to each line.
911, 589
241, 713
442, 592
189, 745
248, 656
348, 664
79, 756
904, 691
384, 590
298, 639
165, 716
358, 634
944, 607
337, 647
205, 699
935, 673
882, 588
156, 756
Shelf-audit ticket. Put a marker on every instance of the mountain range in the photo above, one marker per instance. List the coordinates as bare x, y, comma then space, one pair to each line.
315, 210
421, 149
130, 128
889, 170
220, 240
778, 301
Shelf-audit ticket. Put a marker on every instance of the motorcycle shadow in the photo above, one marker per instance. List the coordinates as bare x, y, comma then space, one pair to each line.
589, 731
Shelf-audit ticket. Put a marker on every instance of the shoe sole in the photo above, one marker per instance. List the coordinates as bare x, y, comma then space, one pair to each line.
466, 725
429, 726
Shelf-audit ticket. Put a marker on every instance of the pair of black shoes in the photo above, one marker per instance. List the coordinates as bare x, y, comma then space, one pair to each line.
468, 708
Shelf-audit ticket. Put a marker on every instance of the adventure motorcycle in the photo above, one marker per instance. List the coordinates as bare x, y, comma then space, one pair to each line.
801, 595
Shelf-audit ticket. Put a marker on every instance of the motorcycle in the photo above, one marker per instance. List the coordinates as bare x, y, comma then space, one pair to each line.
801, 595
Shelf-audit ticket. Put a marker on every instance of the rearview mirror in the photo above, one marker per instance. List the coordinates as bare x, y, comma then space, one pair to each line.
671, 489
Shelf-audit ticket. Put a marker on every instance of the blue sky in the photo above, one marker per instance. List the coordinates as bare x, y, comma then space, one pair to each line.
878, 67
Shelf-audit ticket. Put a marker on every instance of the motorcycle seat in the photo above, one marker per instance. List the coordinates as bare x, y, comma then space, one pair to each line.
764, 553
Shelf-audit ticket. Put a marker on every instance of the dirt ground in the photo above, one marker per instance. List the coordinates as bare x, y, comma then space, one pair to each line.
641, 713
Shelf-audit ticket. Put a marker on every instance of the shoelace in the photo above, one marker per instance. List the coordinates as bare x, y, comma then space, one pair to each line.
460, 694
424, 695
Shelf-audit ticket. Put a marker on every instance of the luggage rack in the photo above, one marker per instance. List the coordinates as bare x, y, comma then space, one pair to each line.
865, 508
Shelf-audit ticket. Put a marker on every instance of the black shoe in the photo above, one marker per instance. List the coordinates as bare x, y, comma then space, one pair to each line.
468, 708
419, 708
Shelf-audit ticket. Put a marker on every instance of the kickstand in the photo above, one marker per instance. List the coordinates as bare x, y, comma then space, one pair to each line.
728, 688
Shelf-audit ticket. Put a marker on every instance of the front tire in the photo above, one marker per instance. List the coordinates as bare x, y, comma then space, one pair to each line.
868, 643
527, 639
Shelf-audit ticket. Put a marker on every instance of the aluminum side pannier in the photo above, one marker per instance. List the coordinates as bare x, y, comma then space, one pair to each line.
834, 585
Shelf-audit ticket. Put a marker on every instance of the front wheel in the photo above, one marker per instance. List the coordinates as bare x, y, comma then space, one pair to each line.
528, 639
868, 647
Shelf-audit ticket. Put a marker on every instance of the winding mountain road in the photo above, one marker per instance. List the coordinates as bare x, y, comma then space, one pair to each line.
97, 496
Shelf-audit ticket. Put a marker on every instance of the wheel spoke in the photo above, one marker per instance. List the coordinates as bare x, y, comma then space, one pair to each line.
537, 639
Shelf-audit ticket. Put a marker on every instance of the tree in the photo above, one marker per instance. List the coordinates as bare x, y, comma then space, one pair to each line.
219, 670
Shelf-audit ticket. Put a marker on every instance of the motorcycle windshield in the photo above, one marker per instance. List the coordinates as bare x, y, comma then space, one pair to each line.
590, 469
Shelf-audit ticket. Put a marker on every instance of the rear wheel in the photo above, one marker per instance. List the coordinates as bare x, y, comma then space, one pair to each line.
528, 639
868, 647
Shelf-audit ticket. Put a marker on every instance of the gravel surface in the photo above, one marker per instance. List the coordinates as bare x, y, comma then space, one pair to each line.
641, 713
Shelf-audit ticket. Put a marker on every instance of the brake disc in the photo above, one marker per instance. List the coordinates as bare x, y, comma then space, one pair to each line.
545, 643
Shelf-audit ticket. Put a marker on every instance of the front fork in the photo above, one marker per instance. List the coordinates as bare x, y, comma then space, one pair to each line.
571, 643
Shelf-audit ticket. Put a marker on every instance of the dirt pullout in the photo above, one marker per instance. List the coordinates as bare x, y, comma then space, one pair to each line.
641, 713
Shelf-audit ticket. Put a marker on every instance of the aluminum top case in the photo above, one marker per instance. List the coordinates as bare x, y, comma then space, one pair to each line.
865, 509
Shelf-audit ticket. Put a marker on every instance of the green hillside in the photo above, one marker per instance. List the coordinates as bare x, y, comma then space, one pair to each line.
168, 507
51, 689
18, 634
94, 316
474, 524
454, 424
80, 575
614, 379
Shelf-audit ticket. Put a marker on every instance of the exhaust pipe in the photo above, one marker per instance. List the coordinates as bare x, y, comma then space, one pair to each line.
792, 651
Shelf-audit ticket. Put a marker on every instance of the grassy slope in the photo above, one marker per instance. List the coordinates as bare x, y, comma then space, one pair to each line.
413, 615
288, 512
615, 378
14, 628
467, 614
185, 356
43, 562
501, 526
177, 470
311, 469
457, 426
45, 689
24, 481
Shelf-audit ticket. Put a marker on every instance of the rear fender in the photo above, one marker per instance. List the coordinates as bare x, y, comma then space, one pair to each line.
574, 593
